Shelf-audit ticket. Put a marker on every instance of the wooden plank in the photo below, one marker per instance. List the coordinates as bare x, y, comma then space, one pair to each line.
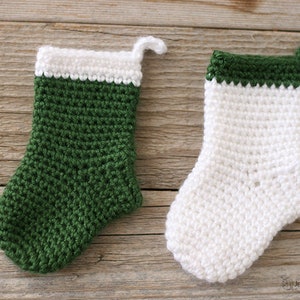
21, 122
152, 198
140, 267
170, 113
254, 14
151, 218
159, 173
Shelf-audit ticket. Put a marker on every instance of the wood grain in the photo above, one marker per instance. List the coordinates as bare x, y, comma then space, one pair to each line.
140, 267
151, 217
129, 259
244, 14
170, 113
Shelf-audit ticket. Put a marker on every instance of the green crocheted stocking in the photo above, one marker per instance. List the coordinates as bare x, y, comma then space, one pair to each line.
78, 170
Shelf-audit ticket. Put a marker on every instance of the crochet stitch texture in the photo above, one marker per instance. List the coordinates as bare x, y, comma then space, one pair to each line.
78, 170
245, 185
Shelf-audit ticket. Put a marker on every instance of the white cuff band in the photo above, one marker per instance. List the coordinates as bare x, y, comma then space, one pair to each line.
118, 67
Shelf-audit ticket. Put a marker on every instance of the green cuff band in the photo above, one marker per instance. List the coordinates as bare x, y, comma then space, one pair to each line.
255, 69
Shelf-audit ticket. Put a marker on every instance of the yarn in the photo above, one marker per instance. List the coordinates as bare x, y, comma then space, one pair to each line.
78, 170
254, 69
245, 184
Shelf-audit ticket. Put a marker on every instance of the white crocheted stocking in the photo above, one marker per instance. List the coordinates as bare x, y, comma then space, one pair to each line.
245, 185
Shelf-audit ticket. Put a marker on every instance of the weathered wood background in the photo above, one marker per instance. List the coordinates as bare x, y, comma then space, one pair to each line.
129, 259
